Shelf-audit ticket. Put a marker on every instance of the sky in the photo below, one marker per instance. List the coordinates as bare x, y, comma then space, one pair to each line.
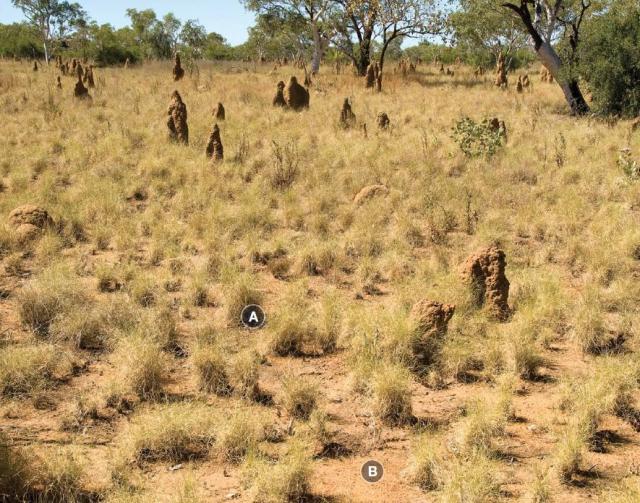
226, 17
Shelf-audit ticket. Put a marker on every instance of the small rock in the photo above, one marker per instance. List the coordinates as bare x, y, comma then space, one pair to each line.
369, 192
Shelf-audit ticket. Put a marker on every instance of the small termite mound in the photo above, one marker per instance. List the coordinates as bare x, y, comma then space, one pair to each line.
88, 77
177, 121
430, 320
278, 100
215, 150
58, 82
219, 112
79, 91
546, 75
498, 126
369, 192
383, 121
347, 117
29, 221
178, 71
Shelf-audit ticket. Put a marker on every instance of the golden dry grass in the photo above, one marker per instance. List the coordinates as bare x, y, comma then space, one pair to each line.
133, 297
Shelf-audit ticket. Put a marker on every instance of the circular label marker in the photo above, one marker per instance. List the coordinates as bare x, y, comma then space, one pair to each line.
253, 316
372, 471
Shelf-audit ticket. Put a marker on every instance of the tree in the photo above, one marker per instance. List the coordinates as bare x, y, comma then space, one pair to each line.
51, 17
277, 34
553, 19
609, 59
111, 46
216, 47
143, 23
159, 38
358, 23
194, 37
170, 28
312, 11
405, 19
479, 27
355, 18
19, 40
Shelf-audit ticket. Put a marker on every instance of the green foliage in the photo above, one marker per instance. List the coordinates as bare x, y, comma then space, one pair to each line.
19, 40
110, 47
278, 34
609, 60
473, 55
476, 139
147, 37
481, 31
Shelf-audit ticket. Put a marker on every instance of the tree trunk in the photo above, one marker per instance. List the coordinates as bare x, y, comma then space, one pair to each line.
570, 88
551, 61
364, 57
46, 52
317, 49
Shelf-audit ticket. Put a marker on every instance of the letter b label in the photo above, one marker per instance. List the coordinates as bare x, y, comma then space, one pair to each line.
372, 471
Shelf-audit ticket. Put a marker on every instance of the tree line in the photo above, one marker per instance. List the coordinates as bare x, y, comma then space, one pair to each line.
585, 44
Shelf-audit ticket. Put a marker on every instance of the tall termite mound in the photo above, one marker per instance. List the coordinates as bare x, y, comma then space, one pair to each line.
278, 100
178, 71
35, 66
215, 150
373, 77
297, 97
58, 82
484, 274
177, 121
347, 117
79, 91
88, 77
501, 72
219, 112
370, 77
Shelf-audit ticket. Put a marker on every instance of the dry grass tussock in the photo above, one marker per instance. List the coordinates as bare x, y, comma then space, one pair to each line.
122, 309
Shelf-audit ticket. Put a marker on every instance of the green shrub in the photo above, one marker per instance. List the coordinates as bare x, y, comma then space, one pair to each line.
610, 61
477, 139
